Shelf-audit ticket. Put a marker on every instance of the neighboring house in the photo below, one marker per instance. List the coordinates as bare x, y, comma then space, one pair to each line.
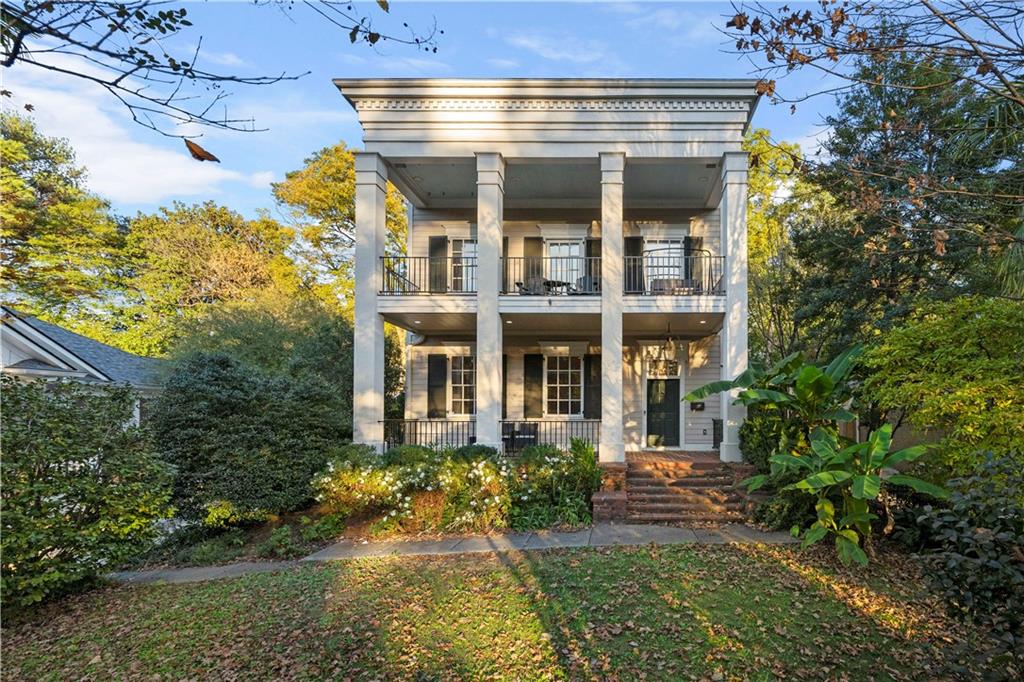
576, 260
33, 349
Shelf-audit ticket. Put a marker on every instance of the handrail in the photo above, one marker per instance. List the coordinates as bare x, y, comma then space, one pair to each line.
518, 434
436, 433
552, 275
408, 275
674, 275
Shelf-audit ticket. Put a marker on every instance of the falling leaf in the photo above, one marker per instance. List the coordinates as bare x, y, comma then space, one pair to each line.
198, 153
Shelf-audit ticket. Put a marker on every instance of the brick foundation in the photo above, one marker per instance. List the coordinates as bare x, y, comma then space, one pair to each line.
613, 475
609, 505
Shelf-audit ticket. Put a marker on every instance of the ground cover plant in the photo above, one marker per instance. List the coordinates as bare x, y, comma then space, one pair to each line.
672, 613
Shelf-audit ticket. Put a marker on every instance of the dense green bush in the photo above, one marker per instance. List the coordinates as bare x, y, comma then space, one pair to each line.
977, 544
785, 508
405, 455
416, 488
470, 452
554, 486
82, 489
245, 443
955, 370
759, 438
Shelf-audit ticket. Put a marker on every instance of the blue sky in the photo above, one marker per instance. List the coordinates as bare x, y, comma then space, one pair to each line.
139, 170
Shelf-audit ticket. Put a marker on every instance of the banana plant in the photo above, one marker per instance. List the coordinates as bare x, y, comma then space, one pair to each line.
802, 395
856, 474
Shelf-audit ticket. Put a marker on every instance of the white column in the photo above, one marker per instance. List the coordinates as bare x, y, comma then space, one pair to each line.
733, 216
490, 188
611, 444
368, 344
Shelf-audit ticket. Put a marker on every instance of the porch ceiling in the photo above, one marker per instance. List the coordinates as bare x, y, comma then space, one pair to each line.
562, 183
691, 325
566, 326
434, 323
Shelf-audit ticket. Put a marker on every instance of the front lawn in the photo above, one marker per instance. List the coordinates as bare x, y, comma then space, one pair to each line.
679, 612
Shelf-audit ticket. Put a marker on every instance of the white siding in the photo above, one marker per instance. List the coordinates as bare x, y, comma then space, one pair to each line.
702, 367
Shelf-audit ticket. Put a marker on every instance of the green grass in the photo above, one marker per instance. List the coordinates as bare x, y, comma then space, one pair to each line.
676, 612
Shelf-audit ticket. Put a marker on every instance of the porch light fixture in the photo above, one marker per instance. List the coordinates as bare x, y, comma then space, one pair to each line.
670, 343
417, 322
508, 321
703, 321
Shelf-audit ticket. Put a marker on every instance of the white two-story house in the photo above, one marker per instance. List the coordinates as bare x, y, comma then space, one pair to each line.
576, 260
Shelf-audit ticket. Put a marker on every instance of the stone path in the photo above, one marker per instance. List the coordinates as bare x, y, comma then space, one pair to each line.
599, 535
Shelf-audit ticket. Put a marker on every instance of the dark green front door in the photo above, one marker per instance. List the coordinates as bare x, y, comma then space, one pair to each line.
662, 412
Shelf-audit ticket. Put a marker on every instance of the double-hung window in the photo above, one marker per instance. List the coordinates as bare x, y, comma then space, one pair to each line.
563, 386
565, 261
463, 385
663, 260
464, 265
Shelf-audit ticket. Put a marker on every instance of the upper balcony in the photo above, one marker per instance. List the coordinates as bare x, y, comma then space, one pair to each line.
655, 273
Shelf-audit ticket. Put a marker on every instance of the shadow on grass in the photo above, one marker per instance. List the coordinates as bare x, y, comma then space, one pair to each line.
679, 612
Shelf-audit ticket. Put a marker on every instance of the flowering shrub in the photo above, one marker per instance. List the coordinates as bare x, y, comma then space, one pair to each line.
476, 494
554, 486
415, 488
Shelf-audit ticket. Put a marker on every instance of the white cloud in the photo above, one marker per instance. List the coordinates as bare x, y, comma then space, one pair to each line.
685, 26
559, 48
503, 63
121, 168
261, 179
222, 58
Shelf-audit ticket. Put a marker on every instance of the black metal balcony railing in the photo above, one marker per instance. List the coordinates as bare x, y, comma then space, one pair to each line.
516, 435
434, 433
651, 274
552, 275
428, 275
674, 275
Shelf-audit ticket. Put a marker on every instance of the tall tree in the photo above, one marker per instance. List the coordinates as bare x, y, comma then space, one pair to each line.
901, 241
61, 249
947, 75
319, 200
781, 202
184, 261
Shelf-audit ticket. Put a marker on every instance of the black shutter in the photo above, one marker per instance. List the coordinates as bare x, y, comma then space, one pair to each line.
593, 266
533, 259
438, 264
506, 285
533, 386
437, 386
504, 386
696, 265
592, 386
634, 249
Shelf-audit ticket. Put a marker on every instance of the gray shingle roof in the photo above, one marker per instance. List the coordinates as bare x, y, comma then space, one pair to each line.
122, 367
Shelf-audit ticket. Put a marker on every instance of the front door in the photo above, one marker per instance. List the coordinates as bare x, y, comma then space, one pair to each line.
663, 413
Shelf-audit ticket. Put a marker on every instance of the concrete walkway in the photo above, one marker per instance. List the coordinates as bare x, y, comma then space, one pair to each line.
599, 535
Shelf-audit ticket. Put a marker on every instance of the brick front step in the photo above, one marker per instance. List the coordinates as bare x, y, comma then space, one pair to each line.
686, 482
682, 507
687, 517
683, 497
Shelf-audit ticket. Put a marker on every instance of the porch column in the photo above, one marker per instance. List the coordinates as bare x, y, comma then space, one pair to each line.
733, 216
611, 444
490, 188
368, 342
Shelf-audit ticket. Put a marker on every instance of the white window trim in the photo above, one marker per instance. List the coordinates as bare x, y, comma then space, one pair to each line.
451, 387
583, 389
663, 231
564, 232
